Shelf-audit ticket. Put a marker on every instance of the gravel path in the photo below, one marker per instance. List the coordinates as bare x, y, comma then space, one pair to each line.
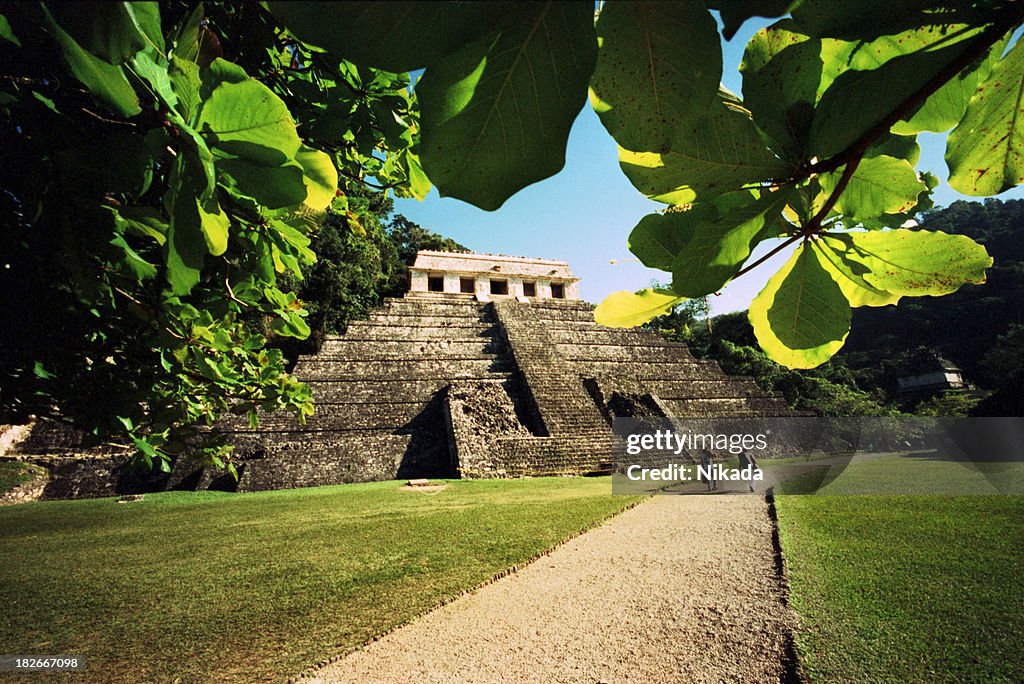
678, 589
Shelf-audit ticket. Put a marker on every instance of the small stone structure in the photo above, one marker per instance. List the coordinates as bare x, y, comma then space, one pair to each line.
484, 277
493, 382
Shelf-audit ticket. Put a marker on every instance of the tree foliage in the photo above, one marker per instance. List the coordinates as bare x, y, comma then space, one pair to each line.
166, 170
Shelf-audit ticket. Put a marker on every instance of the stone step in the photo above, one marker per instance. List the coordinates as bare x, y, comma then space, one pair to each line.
407, 369
369, 330
334, 417
410, 317
706, 406
584, 353
385, 390
726, 386
407, 348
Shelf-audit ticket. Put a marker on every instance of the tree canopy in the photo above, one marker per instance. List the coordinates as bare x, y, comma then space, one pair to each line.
169, 164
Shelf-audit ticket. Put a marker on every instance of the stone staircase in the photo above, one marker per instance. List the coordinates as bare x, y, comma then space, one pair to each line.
379, 393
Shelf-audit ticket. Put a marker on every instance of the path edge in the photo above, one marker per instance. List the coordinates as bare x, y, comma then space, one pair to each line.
793, 669
310, 671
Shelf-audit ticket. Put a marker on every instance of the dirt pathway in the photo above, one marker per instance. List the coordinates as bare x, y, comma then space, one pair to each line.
678, 589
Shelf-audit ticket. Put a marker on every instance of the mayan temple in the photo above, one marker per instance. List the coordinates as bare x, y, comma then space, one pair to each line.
490, 366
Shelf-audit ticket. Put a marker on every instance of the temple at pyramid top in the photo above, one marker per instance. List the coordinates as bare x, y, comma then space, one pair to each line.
484, 277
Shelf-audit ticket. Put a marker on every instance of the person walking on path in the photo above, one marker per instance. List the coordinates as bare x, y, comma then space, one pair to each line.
707, 461
747, 460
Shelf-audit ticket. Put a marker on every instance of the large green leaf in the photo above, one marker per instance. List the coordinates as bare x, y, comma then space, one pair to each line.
782, 70
801, 318
879, 185
717, 249
496, 114
248, 120
720, 153
185, 247
320, 177
946, 106
106, 82
868, 19
918, 262
648, 81
658, 238
885, 73
985, 152
626, 309
275, 187
112, 31
397, 36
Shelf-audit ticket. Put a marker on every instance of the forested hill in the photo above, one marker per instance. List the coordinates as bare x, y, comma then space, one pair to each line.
980, 328
964, 326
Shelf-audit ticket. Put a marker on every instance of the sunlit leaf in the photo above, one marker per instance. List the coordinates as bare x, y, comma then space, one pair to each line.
801, 318
248, 120
919, 262
626, 309
879, 185
319, 176
985, 152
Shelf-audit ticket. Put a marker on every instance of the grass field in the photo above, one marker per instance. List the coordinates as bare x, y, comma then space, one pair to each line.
906, 588
256, 587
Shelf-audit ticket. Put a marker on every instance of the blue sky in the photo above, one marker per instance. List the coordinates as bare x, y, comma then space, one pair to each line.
584, 214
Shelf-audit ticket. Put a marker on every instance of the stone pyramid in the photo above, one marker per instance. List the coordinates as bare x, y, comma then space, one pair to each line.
490, 366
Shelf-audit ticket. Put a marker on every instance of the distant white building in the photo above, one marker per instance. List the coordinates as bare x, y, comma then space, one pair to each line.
926, 371
489, 276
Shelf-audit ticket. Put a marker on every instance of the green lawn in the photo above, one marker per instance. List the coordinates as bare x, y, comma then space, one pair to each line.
256, 587
907, 588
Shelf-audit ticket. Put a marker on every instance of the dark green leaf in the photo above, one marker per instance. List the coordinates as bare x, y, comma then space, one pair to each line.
735, 12
397, 36
863, 96
109, 30
275, 187
6, 33
717, 250
782, 72
648, 82
496, 114
106, 82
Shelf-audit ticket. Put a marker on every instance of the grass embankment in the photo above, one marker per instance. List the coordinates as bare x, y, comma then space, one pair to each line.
14, 473
256, 587
907, 588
